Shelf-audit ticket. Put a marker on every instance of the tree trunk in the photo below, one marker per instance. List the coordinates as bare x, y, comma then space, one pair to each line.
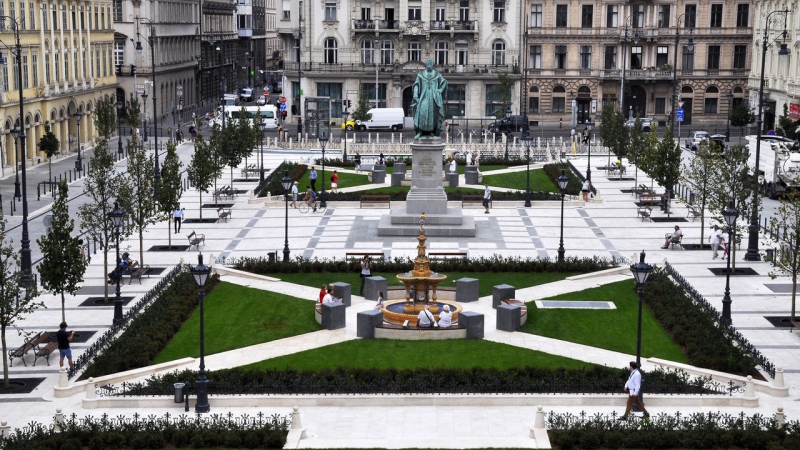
169, 233
6, 383
105, 271
201, 201
63, 312
141, 248
794, 296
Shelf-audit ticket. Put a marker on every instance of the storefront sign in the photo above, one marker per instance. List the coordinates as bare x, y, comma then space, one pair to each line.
794, 109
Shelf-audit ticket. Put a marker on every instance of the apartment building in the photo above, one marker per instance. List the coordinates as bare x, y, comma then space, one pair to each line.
67, 64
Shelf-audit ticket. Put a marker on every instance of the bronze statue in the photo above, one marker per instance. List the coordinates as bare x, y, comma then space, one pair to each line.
427, 105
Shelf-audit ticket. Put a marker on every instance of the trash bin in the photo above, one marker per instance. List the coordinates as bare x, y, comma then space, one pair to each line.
179, 392
770, 254
272, 256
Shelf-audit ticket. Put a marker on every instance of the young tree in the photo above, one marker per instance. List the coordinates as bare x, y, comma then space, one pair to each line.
133, 115
203, 171
136, 194
101, 187
503, 91
740, 117
699, 174
732, 180
362, 107
170, 189
105, 116
62, 265
613, 132
666, 169
638, 143
14, 304
237, 142
786, 126
50, 145
786, 261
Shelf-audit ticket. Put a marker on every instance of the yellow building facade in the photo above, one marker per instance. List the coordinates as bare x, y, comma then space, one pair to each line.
67, 65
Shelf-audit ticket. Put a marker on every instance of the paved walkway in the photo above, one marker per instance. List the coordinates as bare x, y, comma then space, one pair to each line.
606, 227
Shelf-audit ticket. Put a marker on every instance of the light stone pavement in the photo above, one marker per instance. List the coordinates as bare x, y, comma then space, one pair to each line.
605, 227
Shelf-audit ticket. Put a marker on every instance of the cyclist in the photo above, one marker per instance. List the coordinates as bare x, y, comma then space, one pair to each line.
310, 198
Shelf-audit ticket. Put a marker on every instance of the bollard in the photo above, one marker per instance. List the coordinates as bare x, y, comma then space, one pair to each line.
38, 193
780, 417
58, 421
748, 388
296, 422
63, 379
779, 377
91, 390
186, 402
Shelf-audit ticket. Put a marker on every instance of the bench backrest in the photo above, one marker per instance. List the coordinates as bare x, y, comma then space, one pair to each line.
42, 337
191, 235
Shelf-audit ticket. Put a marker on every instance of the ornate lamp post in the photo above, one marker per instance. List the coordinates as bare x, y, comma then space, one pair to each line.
690, 49
79, 161
345, 114
729, 96
287, 183
563, 181
640, 271
589, 125
509, 136
117, 216
527, 139
120, 105
144, 113
730, 214
752, 239
323, 141
151, 40
200, 272
262, 126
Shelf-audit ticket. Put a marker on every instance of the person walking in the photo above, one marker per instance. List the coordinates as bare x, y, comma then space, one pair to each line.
726, 242
632, 387
357, 160
585, 190
714, 238
294, 195
177, 217
312, 177
64, 339
335, 182
366, 271
487, 197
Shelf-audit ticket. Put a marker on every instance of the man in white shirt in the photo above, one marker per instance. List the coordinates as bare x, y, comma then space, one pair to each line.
425, 318
329, 299
177, 217
714, 239
632, 387
487, 197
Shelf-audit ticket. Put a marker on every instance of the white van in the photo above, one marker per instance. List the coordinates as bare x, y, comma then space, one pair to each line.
383, 119
268, 114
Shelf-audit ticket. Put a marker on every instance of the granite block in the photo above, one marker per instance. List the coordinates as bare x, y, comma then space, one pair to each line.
467, 290
473, 322
508, 317
371, 287
399, 168
366, 322
471, 177
397, 179
342, 291
502, 292
333, 316
452, 179
378, 176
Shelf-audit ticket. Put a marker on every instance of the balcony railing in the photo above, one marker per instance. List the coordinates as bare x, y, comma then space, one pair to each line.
466, 69
637, 74
454, 25
368, 25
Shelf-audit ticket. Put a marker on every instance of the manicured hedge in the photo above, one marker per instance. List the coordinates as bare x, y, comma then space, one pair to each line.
710, 430
553, 171
272, 183
149, 332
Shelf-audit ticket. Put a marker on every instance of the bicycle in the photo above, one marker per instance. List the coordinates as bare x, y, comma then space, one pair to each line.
304, 207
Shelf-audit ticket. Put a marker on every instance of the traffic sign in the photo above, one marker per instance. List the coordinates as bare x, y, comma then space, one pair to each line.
283, 99
138, 86
283, 106
679, 115
680, 104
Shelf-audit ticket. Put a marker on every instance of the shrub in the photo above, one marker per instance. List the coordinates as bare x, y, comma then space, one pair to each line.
553, 171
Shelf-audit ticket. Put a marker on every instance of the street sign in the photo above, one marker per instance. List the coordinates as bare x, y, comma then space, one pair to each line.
138, 86
680, 104
679, 115
283, 99
283, 106
140, 91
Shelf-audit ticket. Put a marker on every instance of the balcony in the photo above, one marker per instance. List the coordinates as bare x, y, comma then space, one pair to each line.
245, 32
466, 70
637, 74
376, 25
469, 26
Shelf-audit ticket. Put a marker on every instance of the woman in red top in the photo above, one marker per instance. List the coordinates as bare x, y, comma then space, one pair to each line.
322, 292
334, 181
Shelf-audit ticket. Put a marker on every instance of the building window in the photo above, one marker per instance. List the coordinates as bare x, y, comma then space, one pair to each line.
441, 53
713, 57
663, 16
44, 18
439, 13
56, 66
716, 16
662, 56
367, 52
561, 16
561, 57
330, 11
610, 57
366, 14
742, 15
495, 105
32, 12
369, 90
533, 100
559, 104
331, 51
535, 57
636, 57
119, 53
739, 57
25, 81
462, 54
455, 100
690, 19
334, 91
414, 51
612, 16
117, 10
536, 16
661, 105
638, 16
22, 14
499, 53
499, 11
587, 14
586, 57
687, 59
463, 11
387, 52
47, 78
710, 106
414, 11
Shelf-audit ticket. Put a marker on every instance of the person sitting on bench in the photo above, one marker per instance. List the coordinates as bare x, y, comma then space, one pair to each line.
123, 265
674, 237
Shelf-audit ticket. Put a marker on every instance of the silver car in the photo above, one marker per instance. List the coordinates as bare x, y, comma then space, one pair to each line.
646, 123
693, 143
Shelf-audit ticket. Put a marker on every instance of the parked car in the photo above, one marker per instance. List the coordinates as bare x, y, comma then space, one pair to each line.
646, 123
693, 143
510, 124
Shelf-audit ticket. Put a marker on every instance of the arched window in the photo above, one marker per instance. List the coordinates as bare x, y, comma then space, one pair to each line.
499, 53
368, 51
462, 53
687, 90
559, 99
331, 52
711, 100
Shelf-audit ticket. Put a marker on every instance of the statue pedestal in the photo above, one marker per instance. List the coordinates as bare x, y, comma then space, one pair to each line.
426, 196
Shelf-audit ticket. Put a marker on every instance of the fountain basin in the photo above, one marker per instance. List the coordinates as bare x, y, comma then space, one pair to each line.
397, 312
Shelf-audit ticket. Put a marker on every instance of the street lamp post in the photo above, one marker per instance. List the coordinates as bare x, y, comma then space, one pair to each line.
628, 21
116, 216
563, 180
377, 105
179, 105
79, 161
730, 214
345, 114
144, 113
261, 126
690, 49
509, 135
151, 41
201, 272
729, 96
527, 139
752, 239
120, 105
17, 191
589, 125
287, 183
641, 271
323, 141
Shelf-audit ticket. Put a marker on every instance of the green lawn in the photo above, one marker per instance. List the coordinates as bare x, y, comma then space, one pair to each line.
610, 329
487, 279
236, 317
517, 180
461, 169
345, 179
385, 353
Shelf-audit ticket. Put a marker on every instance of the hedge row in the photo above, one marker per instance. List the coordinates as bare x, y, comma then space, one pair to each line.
461, 160
247, 431
273, 181
149, 332
553, 171
696, 331
696, 431
495, 263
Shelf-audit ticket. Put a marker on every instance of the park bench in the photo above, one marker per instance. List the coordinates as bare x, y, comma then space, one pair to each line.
44, 351
29, 345
225, 191
650, 198
644, 212
224, 213
358, 256
375, 200
616, 170
473, 200
196, 239
442, 256
137, 272
694, 212
249, 169
641, 189
673, 241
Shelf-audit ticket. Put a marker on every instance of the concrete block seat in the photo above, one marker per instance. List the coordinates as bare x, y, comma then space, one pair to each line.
414, 333
523, 308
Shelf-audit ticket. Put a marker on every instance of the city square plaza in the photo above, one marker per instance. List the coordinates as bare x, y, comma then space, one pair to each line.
606, 226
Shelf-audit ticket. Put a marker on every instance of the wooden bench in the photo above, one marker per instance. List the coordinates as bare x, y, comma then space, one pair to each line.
641, 189
473, 200
375, 199
644, 212
138, 272
358, 256
196, 239
616, 170
694, 212
650, 198
44, 351
224, 213
29, 345
112, 277
523, 307
442, 256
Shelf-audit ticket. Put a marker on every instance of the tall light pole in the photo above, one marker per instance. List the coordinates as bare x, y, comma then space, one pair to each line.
151, 40
79, 161
179, 105
730, 214
116, 216
345, 114
752, 240
120, 105
527, 139
628, 21
729, 96
641, 271
690, 49
589, 125
563, 181
299, 70
323, 141
287, 183
144, 113
509, 135
201, 272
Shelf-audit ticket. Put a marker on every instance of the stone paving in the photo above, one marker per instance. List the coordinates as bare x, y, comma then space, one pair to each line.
607, 227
